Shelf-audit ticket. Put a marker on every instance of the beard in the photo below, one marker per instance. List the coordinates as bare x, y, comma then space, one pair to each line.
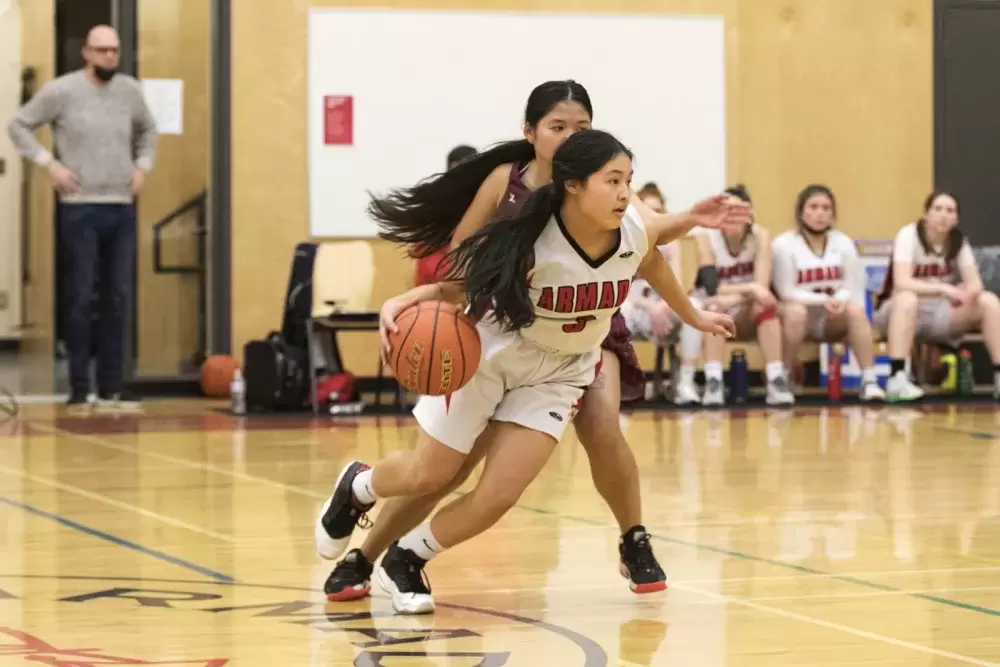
105, 74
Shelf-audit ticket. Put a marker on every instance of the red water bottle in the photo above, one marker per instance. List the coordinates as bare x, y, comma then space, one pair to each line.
833, 374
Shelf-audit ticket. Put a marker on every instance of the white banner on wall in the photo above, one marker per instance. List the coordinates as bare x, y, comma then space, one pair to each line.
411, 85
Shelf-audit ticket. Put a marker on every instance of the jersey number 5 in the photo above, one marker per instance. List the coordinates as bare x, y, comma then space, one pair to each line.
579, 325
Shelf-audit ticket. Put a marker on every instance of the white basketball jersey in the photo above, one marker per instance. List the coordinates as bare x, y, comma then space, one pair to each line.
574, 296
819, 273
931, 265
732, 269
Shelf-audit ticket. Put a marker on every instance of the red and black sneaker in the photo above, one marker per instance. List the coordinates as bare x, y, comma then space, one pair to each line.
638, 563
340, 514
351, 579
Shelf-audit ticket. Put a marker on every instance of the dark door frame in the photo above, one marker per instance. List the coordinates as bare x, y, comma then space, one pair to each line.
941, 9
220, 198
220, 187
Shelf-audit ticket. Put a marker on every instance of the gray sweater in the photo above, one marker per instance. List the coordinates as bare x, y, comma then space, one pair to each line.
101, 133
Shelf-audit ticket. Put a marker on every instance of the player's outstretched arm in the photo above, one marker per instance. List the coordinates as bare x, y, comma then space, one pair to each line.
718, 211
655, 269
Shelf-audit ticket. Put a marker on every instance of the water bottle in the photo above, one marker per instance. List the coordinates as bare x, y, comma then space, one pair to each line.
949, 362
966, 380
739, 376
833, 373
238, 394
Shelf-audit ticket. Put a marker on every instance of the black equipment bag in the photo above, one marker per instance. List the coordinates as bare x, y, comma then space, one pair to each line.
299, 296
276, 375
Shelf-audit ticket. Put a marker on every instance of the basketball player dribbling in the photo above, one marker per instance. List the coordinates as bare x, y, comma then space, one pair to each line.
821, 284
734, 277
543, 285
446, 209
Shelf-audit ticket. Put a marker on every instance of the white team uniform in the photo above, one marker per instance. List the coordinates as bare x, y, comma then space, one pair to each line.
733, 269
637, 319
934, 312
535, 377
803, 276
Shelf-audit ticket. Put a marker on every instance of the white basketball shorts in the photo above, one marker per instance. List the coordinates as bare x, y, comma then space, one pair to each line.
516, 382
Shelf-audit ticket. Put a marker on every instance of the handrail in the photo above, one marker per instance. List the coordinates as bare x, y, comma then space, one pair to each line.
198, 203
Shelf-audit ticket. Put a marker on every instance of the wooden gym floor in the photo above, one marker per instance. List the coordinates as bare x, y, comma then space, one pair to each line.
179, 537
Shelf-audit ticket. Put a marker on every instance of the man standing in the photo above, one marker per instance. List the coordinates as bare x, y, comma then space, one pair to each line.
106, 141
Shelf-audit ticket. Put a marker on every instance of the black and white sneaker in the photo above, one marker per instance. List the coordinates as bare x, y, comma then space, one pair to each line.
78, 398
638, 564
401, 574
351, 579
340, 514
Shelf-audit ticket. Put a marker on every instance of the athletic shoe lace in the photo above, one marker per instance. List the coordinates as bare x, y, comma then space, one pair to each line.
642, 554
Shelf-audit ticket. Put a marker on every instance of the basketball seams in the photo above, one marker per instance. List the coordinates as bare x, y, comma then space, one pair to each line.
402, 344
430, 355
422, 332
461, 348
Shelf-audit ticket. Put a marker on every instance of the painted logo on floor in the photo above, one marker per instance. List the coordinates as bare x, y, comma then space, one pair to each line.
85, 621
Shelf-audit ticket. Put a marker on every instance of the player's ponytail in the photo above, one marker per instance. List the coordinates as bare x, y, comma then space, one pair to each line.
497, 260
424, 217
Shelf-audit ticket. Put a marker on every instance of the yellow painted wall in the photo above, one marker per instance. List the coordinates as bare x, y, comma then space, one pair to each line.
10, 180
838, 91
174, 43
38, 316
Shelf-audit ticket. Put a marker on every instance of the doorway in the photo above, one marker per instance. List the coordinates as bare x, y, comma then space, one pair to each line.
966, 124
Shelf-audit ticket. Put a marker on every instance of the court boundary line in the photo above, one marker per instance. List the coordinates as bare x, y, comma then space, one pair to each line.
802, 569
830, 625
107, 500
128, 544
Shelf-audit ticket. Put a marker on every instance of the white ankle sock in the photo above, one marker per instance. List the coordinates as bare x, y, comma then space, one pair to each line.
774, 370
713, 370
362, 488
421, 541
687, 373
868, 376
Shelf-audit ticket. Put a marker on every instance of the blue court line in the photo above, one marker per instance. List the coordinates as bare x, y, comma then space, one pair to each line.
977, 435
218, 576
802, 569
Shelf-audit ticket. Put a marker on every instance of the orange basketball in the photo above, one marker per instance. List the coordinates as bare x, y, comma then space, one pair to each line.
435, 350
216, 374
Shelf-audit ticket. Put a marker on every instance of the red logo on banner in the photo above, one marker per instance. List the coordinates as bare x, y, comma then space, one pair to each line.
338, 120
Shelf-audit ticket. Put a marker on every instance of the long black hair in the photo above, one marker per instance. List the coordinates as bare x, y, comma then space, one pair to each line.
425, 216
495, 261
955, 239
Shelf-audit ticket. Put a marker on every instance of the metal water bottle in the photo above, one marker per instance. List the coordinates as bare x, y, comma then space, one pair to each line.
739, 376
833, 373
966, 380
238, 394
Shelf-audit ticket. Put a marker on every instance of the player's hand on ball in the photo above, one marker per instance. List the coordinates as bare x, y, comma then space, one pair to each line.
719, 324
387, 323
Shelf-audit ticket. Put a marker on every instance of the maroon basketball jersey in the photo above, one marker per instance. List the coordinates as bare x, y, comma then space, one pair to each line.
515, 194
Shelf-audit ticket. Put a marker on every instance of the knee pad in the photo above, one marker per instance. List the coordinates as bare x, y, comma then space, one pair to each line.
765, 315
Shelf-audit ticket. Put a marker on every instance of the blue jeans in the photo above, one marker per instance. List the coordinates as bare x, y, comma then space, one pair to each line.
98, 242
